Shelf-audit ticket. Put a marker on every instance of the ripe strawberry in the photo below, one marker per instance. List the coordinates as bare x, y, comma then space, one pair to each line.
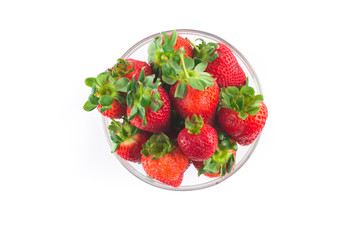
197, 140
193, 91
243, 114
253, 125
148, 104
105, 96
165, 48
222, 161
127, 140
163, 161
130, 67
222, 63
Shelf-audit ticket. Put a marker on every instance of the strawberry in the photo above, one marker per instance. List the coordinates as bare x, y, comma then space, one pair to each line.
222, 161
197, 140
164, 161
165, 48
130, 67
253, 125
127, 140
222, 63
148, 104
243, 114
193, 91
105, 96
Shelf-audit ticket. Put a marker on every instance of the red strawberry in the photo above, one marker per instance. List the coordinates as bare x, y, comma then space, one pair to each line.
197, 140
163, 161
243, 114
193, 91
105, 96
222, 161
129, 68
167, 47
253, 125
222, 63
197, 102
148, 104
127, 140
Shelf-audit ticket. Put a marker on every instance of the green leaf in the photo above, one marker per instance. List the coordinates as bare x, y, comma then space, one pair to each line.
253, 111
196, 84
175, 65
247, 90
258, 98
93, 100
212, 167
155, 106
88, 106
114, 147
201, 66
151, 51
133, 112
121, 84
93, 90
103, 109
189, 63
129, 100
141, 113
243, 115
165, 69
201, 171
232, 91
115, 138
230, 163
102, 78
226, 143
180, 90
223, 169
167, 48
145, 100
173, 38
240, 103
168, 80
90, 82
106, 100
166, 38
234, 146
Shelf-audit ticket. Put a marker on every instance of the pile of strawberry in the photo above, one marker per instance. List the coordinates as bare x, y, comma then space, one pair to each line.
190, 104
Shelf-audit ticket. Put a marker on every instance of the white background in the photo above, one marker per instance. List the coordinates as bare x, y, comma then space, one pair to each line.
58, 179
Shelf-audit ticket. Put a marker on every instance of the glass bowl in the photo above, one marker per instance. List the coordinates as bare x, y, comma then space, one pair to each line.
191, 180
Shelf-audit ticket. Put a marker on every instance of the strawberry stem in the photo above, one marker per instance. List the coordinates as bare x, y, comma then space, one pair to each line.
193, 44
183, 64
116, 123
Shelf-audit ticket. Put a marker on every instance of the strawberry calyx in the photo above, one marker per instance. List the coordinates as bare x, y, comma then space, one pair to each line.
121, 132
204, 51
121, 68
141, 94
223, 159
241, 99
105, 90
186, 73
157, 146
161, 50
194, 124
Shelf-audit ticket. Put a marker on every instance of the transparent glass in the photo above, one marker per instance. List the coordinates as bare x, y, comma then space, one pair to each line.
191, 180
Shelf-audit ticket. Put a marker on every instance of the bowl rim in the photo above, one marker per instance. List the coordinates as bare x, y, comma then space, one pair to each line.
214, 181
